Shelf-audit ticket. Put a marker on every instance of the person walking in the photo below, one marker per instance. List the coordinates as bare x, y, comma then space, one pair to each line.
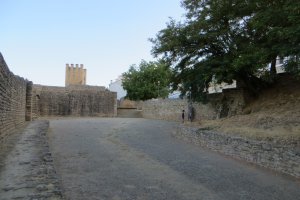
182, 116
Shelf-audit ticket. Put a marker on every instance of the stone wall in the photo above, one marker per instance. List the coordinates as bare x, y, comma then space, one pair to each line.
74, 101
228, 103
279, 155
12, 100
125, 103
75, 75
171, 109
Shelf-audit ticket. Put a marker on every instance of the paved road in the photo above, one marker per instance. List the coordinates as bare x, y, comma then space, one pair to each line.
139, 159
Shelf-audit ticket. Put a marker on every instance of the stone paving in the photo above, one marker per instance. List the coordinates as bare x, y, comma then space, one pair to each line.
27, 171
128, 159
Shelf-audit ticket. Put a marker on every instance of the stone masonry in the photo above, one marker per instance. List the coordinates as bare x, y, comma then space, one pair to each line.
279, 155
75, 75
74, 101
170, 109
12, 99
22, 101
228, 103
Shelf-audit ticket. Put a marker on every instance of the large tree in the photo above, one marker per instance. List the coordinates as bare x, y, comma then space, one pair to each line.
147, 80
226, 40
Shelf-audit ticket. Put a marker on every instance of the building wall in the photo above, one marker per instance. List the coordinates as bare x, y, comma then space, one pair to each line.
12, 100
218, 88
117, 87
75, 75
74, 101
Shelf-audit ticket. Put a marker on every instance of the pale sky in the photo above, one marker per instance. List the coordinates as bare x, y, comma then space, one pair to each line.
38, 37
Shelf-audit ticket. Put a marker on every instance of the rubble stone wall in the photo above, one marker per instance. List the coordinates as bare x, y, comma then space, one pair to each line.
74, 101
279, 155
228, 103
12, 99
171, 109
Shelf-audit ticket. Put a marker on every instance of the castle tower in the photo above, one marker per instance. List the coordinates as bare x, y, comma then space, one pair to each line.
75, 75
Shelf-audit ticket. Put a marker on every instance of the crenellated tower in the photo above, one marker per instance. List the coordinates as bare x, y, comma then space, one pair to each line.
75, 75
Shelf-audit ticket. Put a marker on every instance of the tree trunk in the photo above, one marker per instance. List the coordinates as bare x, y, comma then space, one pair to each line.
273, 71
251, 83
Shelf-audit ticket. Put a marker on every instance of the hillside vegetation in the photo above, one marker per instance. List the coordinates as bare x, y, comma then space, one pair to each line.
275, 113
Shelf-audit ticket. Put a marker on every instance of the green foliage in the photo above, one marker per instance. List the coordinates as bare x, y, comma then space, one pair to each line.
293, 66
228, 40
146, 81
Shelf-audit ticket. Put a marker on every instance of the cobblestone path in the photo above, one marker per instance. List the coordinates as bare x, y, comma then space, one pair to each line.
26, 166
127, 159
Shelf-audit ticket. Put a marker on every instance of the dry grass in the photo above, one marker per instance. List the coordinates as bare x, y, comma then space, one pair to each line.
274, 115
252, 127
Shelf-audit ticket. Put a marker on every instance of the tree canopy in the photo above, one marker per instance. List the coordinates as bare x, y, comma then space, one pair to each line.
226, 40
146, 81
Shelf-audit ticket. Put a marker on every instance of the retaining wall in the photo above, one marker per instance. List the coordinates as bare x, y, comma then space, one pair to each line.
279, 155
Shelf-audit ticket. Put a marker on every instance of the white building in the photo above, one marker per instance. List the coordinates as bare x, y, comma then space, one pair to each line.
279, 65
116, 86
174, 95
218, 88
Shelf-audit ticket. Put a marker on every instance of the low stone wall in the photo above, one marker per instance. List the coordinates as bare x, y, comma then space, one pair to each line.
74, 101
283, 156
125, 103
12, 100
171, 109
129, 113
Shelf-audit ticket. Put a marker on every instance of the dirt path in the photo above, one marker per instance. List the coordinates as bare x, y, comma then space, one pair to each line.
138, 159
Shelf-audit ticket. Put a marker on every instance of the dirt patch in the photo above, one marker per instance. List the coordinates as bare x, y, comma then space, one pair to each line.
274, 114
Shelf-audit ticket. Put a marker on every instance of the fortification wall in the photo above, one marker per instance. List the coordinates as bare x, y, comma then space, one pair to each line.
74, 101
228, 103
86, 87
171, 109
75, 75
12, 100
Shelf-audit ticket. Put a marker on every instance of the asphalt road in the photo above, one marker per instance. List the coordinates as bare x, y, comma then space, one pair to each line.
101, 158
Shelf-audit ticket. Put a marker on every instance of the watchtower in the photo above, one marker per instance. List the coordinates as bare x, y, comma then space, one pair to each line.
75, 75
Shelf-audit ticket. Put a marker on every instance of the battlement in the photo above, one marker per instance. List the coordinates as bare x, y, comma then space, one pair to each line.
75, 75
